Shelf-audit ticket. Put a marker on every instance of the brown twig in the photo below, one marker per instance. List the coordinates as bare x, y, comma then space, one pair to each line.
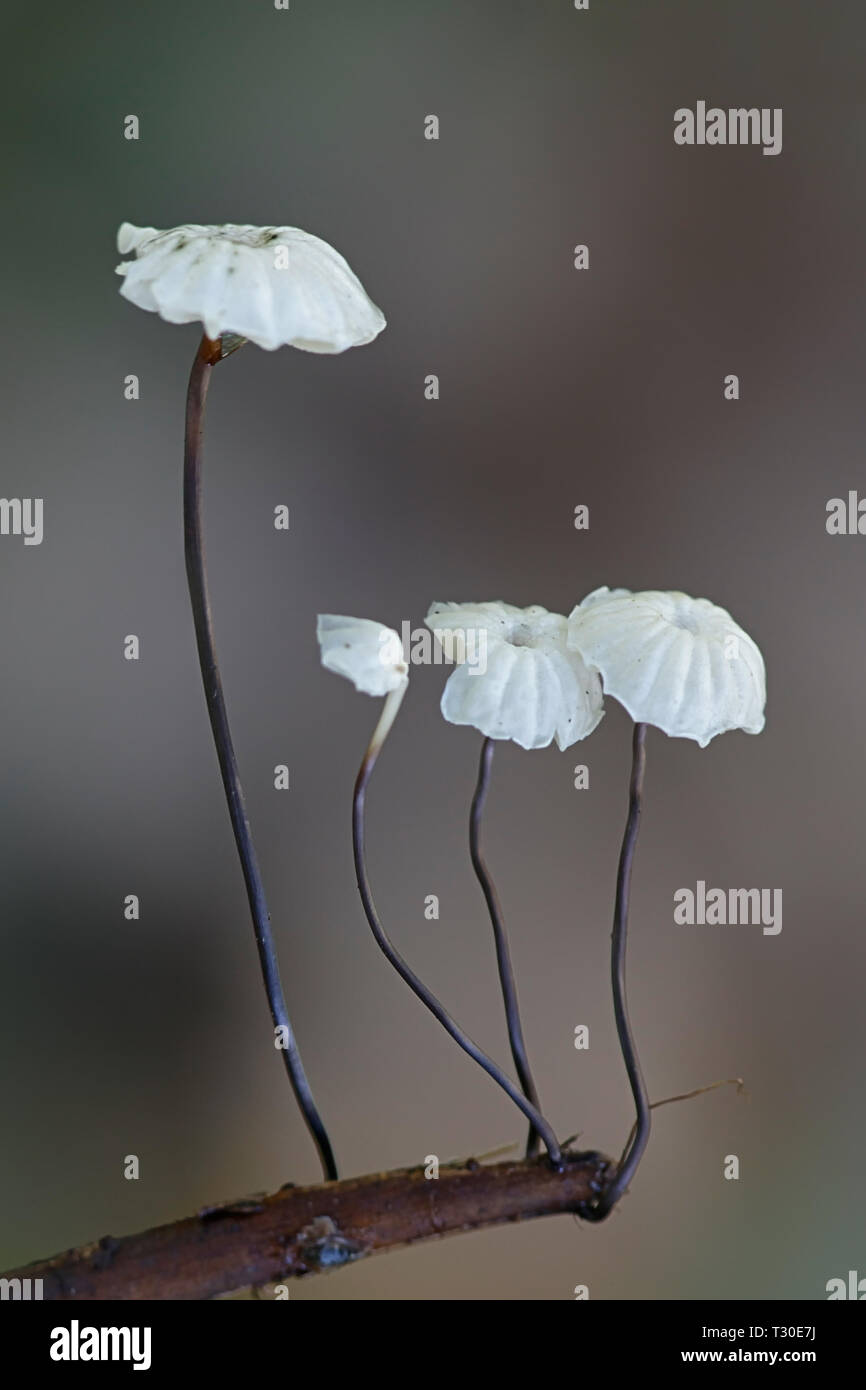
311, 1230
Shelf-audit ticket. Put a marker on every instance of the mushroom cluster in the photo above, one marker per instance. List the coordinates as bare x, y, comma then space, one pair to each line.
678, 663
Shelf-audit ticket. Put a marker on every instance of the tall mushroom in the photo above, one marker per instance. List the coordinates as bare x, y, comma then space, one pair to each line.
271, 286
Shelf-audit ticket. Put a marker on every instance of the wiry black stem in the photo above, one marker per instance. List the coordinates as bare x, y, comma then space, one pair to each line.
417, 986
208, 355
503, 955
627, 1166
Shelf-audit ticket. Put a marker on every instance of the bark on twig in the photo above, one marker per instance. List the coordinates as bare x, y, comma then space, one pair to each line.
309, 1230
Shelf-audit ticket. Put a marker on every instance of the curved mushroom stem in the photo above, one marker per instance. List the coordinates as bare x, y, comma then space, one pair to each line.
429, 1000
627, 1166
210, 352
503, 955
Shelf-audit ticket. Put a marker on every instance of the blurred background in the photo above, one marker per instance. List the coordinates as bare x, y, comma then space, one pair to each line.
558, 388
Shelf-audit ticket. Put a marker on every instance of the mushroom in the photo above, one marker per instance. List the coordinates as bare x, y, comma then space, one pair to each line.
271, 286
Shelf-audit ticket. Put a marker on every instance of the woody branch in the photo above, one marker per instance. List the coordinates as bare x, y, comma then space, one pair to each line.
309, 1230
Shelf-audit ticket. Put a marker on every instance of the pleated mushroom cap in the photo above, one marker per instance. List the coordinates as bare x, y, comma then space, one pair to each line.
519, 681
275, 286
679, 663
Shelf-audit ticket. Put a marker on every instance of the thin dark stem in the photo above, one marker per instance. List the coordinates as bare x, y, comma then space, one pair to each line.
503, 955
627, 1166
208, 355
417, 986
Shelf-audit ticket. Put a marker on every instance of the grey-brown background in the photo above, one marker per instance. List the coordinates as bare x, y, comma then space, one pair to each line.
557, 388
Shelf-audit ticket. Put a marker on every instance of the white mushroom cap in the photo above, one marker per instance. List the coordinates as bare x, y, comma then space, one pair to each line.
517, 679
273, 285
366, 653
679, 663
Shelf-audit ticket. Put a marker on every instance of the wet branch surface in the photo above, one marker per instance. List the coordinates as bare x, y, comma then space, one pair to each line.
301, 1231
